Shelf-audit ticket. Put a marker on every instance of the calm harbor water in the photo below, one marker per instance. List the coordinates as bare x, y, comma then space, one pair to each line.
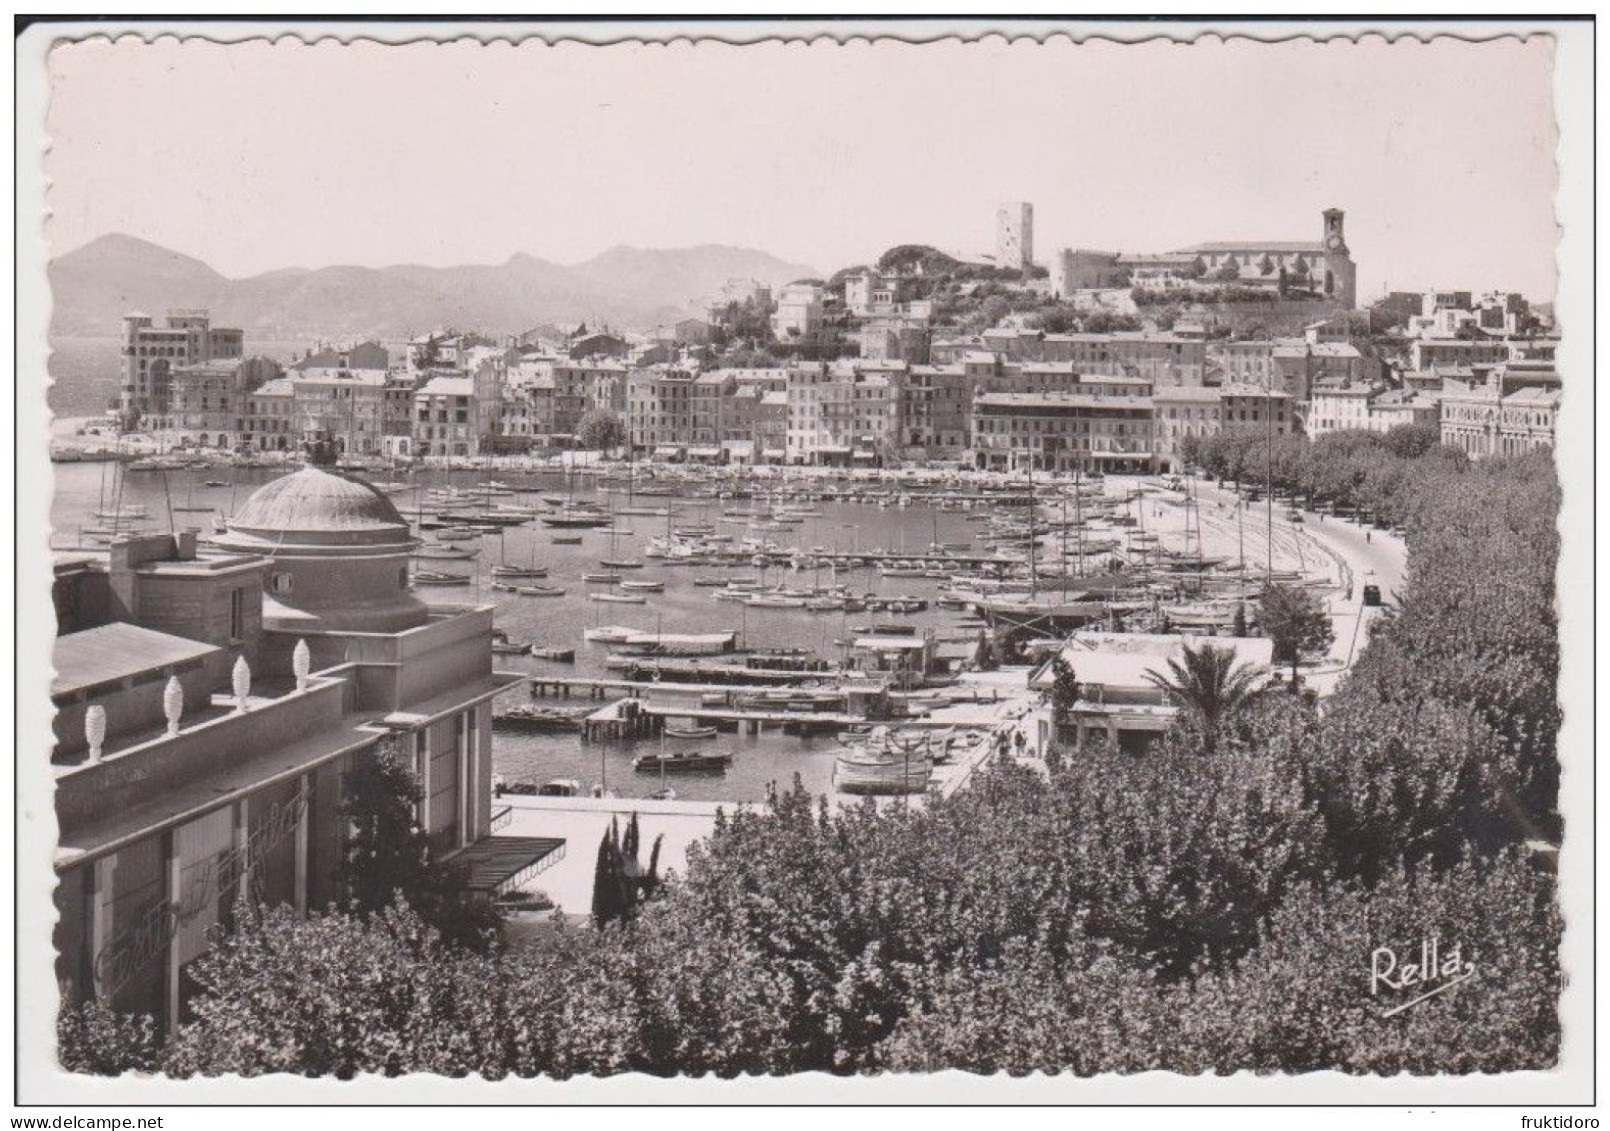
82, 489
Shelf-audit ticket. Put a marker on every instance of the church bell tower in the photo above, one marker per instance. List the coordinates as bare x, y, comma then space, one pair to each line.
1335, 239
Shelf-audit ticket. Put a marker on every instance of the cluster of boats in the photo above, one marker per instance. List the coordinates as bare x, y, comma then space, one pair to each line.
753, 594
883, 761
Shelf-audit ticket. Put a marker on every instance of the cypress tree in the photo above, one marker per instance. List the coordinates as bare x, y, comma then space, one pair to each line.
629, 845
651, 878
606, 885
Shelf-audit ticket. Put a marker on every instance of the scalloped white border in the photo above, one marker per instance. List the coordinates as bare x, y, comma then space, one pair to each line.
40, 1080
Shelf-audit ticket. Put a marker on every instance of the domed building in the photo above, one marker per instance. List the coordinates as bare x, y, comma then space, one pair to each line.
338, 550
211, 701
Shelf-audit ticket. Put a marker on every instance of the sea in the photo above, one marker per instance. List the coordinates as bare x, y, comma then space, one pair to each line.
769, 758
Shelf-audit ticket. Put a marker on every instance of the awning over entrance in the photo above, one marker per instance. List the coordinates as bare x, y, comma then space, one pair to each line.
501, 863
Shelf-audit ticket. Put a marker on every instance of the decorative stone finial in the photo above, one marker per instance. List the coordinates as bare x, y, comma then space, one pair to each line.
241, 680
95, 730
301, 664
173, 703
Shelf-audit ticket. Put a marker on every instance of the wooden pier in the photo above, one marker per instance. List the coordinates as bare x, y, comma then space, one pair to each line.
632, 718
567, 687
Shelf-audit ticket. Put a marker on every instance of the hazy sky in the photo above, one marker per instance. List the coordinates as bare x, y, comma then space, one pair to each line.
257, 156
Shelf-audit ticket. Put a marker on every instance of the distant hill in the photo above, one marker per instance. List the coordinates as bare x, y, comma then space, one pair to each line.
633, 288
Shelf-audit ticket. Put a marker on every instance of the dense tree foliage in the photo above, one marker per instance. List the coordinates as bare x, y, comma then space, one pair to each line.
600, 431
1213, 905
1297, 623
388, 856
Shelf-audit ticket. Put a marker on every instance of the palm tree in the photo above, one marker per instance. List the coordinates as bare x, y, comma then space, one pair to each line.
1210, 687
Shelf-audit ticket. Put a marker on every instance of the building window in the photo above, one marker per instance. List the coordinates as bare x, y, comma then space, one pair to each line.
237, 614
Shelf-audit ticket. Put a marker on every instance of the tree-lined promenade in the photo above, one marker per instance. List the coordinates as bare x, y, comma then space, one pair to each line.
1212, 905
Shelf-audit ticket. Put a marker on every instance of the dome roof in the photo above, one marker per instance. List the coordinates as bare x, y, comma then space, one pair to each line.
316, 501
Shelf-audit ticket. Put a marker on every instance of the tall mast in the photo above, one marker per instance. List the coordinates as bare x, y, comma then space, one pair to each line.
1269, 478
1034, 577
1078, 511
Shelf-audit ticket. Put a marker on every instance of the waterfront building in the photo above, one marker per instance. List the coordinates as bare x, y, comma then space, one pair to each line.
659, 414
1062, 432
447, 418
397, 415
209, 403
771, 427
581, 386
528, 412
350, 404
754, 414
936, 404
1527, 420
209, 702
1182, 411
1014, 235
1118, 706
150, 353
712, 393
841, 416
271, 423
1515, 410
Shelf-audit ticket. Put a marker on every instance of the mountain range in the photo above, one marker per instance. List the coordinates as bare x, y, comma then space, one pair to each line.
626, 287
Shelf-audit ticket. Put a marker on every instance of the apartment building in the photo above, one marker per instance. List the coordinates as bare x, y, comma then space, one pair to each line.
1062, 432
209, 403
150, 353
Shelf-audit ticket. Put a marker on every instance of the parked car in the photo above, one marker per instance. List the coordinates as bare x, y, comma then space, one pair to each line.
1294, 516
